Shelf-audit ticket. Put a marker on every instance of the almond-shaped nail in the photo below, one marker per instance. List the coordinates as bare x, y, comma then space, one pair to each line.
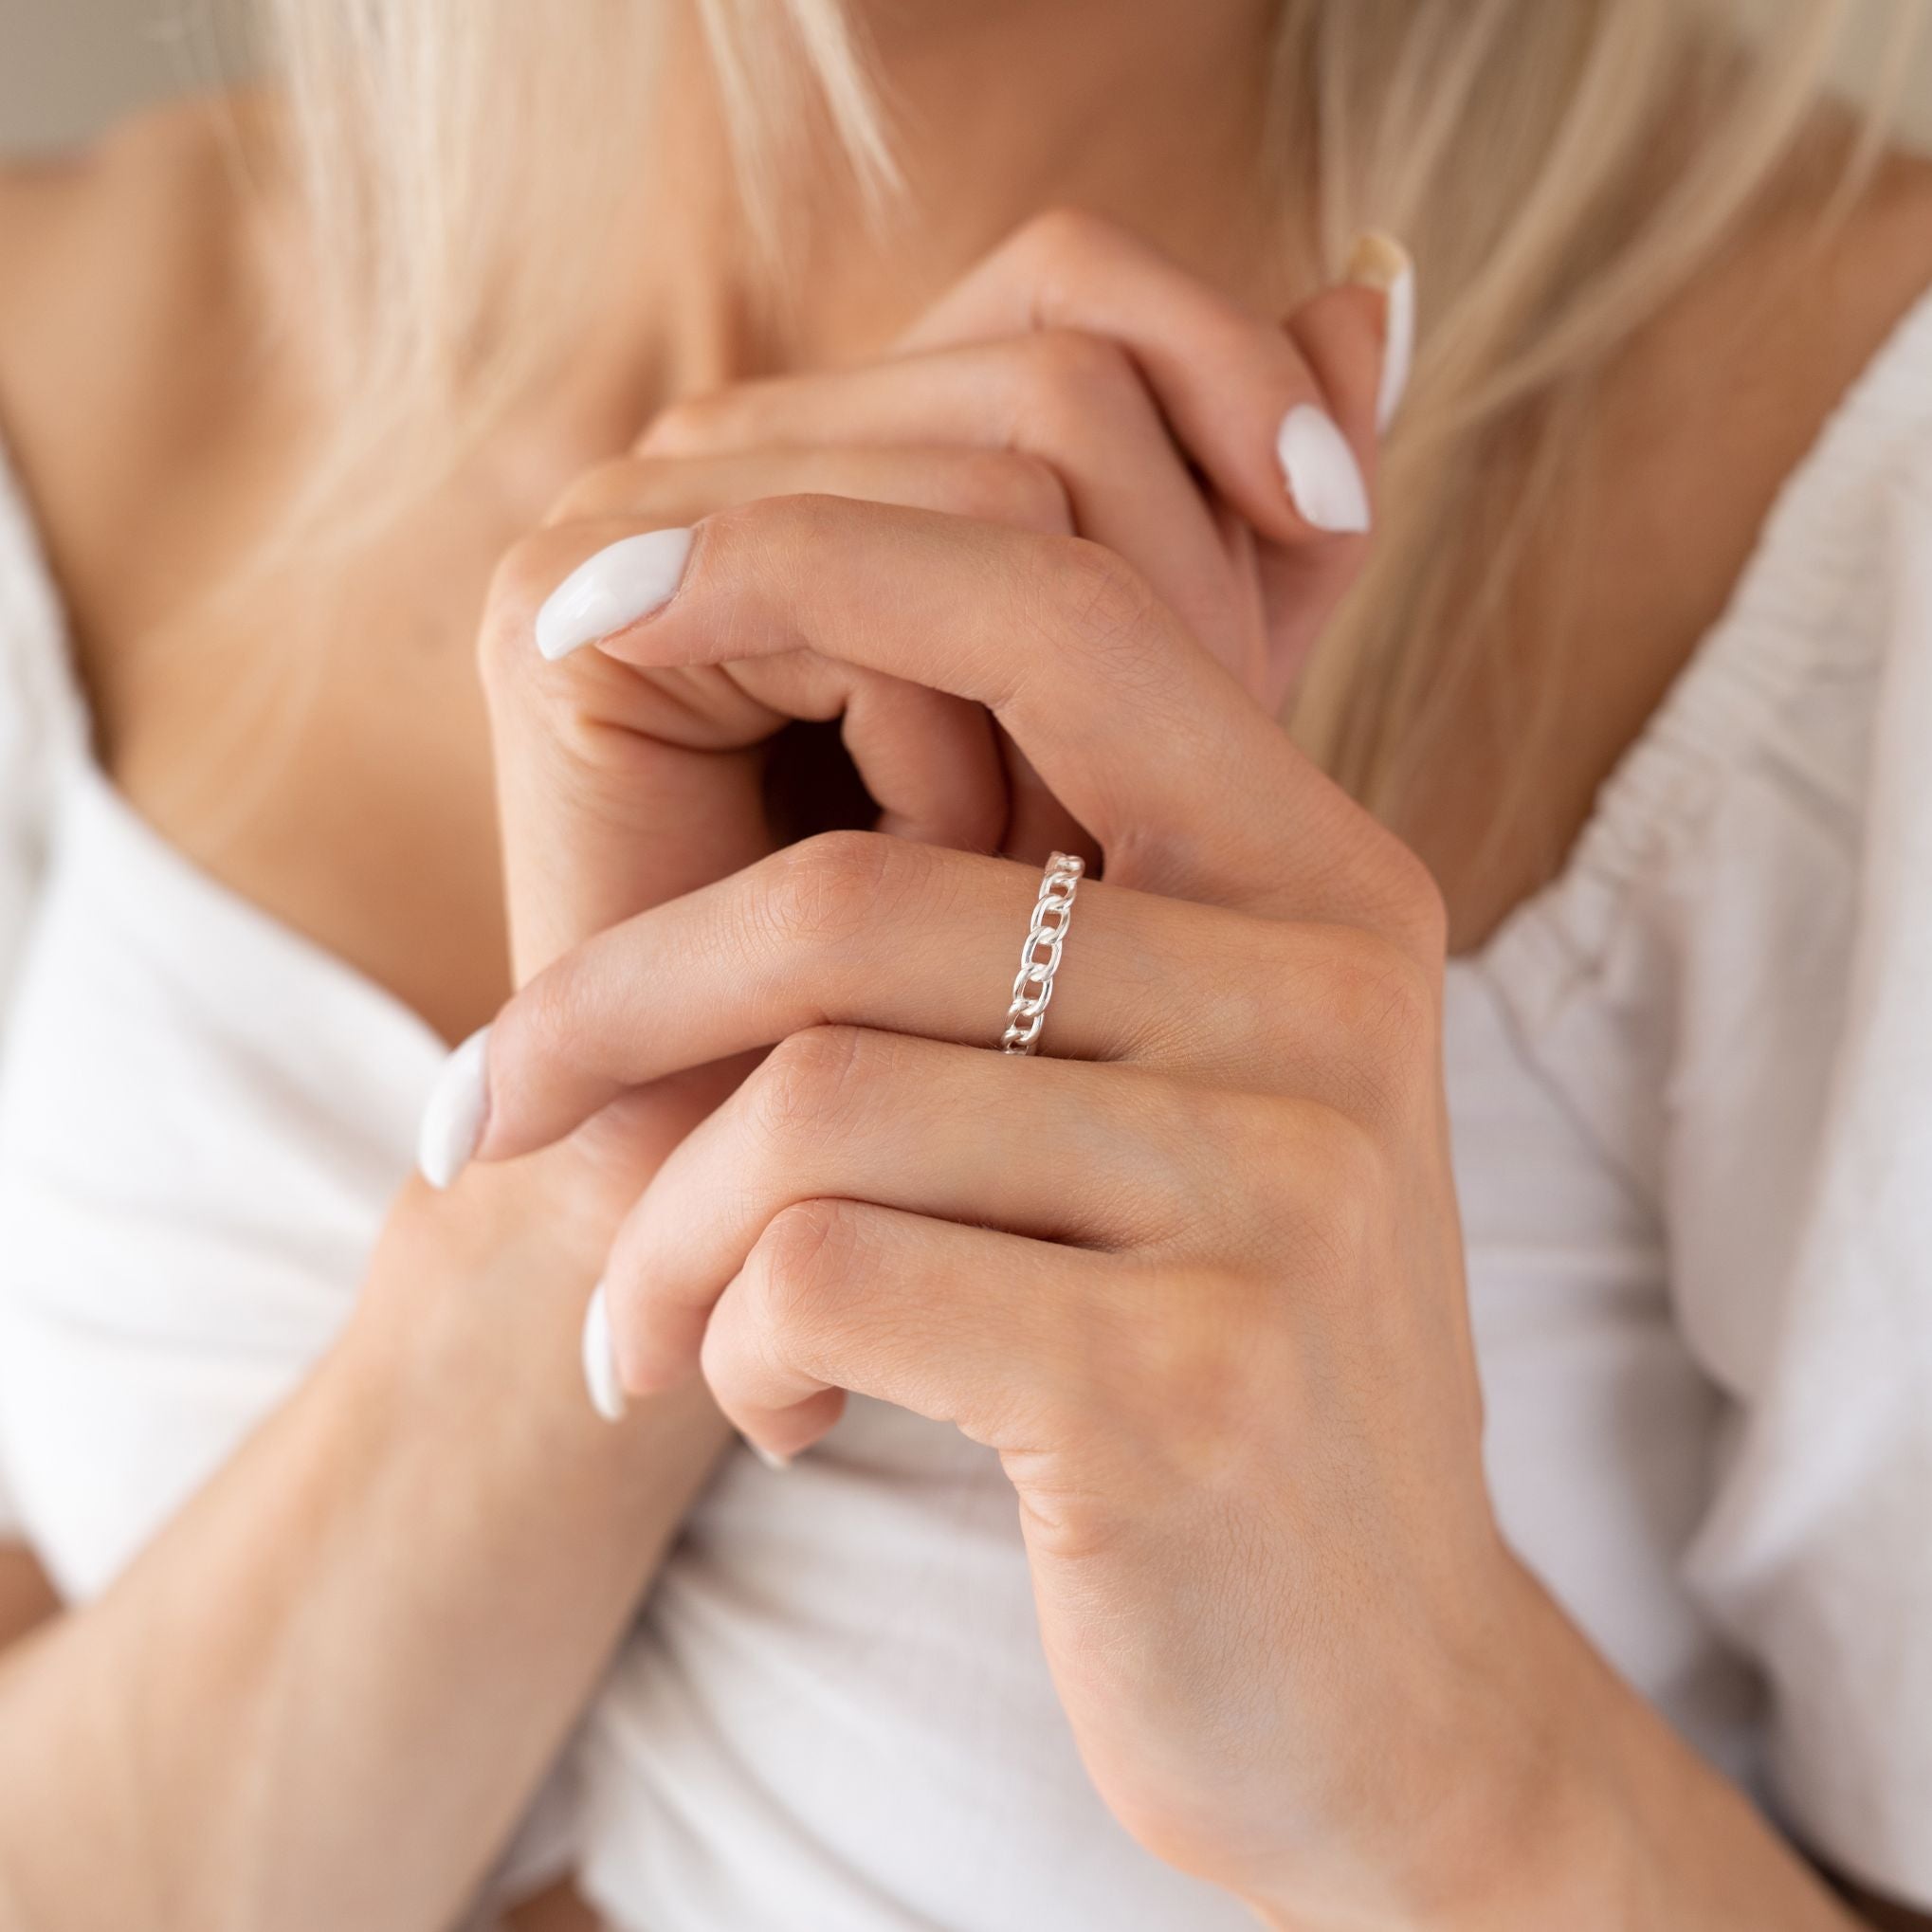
453, 1118
1320, 471
770, 1458
624, 581
600, 1361
1381, 262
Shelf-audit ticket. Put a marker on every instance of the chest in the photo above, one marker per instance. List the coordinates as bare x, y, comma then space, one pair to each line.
317, 742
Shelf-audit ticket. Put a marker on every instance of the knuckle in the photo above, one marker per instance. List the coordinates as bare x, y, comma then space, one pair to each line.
776, 530
828, 889
1078, 378
1340, 1195
1100, 598
543, 1022
1061, 234
804, 1080
804, 1256
1204, 1368
1242, 1201
1352, 1168
1381, 1001
618, 487
1295, 1194
524, 576
1239, 1140
1012, 486
1238, 1012
1200, 1146
686, 427
1410, 899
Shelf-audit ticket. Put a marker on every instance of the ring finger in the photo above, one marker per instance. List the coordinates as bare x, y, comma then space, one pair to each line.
861, 930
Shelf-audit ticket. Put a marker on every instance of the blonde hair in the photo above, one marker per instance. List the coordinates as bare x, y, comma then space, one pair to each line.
1562, 167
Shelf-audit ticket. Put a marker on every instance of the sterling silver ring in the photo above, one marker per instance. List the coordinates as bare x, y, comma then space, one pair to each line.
1040, 956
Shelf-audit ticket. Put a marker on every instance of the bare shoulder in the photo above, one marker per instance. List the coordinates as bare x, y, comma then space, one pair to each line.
136, 345
1695, 430
1723, 398
1886, 256
162, 391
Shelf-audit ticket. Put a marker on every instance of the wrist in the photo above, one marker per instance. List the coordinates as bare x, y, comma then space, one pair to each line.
1545, 1834
1516, 1818
468, 1337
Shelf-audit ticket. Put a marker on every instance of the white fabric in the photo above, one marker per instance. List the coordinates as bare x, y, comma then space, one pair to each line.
1691, 1092
41, 728
202, 1120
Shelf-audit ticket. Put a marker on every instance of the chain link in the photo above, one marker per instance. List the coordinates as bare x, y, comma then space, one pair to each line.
1040, 956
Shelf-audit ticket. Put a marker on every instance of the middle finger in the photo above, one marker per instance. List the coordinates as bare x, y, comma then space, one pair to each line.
1073, 403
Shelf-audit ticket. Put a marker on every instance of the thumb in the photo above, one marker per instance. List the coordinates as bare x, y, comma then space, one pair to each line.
1358, 339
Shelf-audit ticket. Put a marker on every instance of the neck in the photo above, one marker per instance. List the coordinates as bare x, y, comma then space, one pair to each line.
1152, 115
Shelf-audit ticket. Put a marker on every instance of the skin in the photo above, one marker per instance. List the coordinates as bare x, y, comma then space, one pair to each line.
406, 890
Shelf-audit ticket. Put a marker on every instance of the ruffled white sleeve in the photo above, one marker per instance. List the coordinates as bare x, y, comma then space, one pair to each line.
42, 723
1733, 987
1817, 1552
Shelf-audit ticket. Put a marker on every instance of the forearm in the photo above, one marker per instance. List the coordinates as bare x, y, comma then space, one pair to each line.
1580, 1807
322, 1696
1657, 1837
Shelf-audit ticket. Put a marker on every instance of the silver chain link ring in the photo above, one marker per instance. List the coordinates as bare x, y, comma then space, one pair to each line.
1040, 956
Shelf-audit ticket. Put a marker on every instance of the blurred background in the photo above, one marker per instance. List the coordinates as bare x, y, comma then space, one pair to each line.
69, 67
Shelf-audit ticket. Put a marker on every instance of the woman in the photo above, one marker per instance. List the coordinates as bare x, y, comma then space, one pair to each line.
1056, 527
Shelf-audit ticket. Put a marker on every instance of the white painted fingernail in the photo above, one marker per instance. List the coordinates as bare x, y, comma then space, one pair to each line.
453, 1119
1320, 471
625, 580
600, 1361
770, 1458
1379, 261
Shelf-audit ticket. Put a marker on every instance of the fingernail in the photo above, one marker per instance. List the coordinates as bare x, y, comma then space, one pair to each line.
453, 1118
1379, 261
770, 1458
625, 580
1320, 471
600, 1361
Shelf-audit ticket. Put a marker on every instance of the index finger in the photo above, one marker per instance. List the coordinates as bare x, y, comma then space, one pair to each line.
1258, 405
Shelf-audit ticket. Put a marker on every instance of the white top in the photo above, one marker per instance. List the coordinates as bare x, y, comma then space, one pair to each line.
1691, 1093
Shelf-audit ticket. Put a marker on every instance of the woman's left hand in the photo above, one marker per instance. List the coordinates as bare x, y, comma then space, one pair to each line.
1196, 1272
